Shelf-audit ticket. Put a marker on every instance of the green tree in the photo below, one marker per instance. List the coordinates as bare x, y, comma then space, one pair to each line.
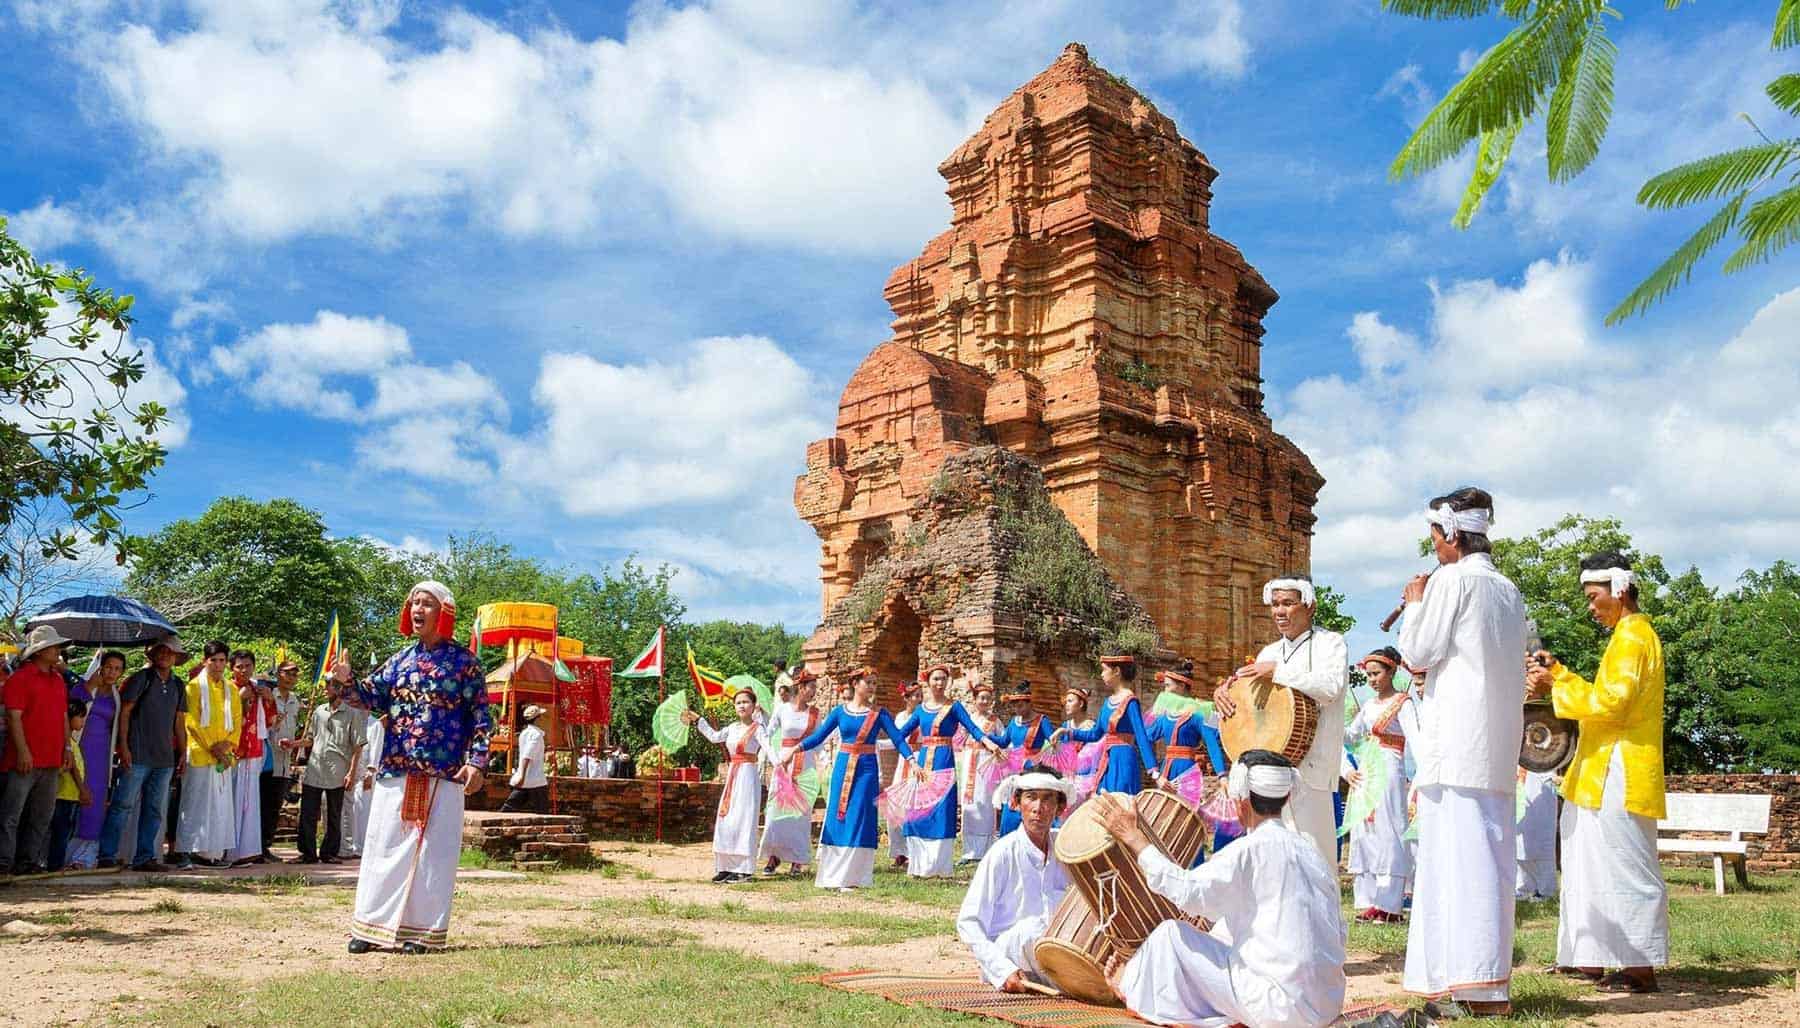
1330, 614
265, 570
1751, 674
744, 647
68, 432
1557, 62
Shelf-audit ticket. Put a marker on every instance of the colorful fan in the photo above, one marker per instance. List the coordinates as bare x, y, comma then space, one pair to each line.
915, 793
1190, 786
791, 795
1367, 796
1412, 816
1087, 769
1218, 809
1176, 705
671, 732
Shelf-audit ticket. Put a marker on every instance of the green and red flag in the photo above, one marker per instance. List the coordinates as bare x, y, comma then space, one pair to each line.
648, 664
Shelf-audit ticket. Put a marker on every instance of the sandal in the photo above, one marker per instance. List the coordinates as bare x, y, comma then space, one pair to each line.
1620, 982
1568, 971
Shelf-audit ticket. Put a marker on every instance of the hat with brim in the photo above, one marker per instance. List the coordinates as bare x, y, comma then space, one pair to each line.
532, 712
172, 644
42, 638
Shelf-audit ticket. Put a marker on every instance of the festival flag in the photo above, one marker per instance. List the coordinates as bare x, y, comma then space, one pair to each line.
710, 683
648, 664
328, 656
563, 674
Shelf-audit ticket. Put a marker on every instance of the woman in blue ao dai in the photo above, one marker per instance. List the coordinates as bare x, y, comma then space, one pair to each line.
1120, 728
847, 845
931, 841
1028, 731
1180, 728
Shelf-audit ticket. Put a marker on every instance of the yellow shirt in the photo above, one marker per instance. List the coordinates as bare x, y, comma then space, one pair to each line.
226, 712
1622, 708
67, 786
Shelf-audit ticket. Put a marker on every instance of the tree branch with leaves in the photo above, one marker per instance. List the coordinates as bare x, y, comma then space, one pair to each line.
1557, 62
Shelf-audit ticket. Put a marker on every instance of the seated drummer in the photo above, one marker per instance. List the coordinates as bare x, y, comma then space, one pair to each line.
1275, 957
1018, 883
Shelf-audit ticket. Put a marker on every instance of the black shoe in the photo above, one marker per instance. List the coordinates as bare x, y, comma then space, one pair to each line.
741, 877
360, 946
330, 860
413, 949
270, 858
721, 878
110, 864
308, 860
155, 867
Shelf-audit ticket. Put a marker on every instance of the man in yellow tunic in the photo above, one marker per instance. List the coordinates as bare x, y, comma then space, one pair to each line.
206, 823
1615, 906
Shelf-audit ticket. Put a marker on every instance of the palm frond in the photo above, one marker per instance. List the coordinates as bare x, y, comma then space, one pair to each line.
1770, 224
1680, 266
1489, 161
1581, 106
1785, 91
1503, 89
1438, 8
1718, 174
1787, 25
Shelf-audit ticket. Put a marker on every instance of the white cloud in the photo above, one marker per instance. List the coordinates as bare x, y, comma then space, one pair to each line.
1513, 387
85, 390
722, 420
44, 228
810, 124
288, 365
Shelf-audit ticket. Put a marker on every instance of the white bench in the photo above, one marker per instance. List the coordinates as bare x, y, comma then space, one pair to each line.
1733, 813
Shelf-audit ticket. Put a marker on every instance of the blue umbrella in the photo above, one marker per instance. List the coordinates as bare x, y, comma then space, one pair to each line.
105, 621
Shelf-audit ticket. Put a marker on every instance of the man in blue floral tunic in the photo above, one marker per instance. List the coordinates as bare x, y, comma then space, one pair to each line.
435, 698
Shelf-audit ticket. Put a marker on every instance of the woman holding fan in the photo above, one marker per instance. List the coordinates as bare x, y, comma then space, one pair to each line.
1125, 742
930, 840
847, 844
734, 833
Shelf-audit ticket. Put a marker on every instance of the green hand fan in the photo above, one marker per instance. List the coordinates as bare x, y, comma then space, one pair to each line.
1365, 798
1174, 705
666, 724
764, 696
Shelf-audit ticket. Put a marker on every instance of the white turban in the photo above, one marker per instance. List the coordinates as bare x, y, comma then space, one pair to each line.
1261, 780
435, 588
1617, 579
1456, 522
1032, 781
1299, 585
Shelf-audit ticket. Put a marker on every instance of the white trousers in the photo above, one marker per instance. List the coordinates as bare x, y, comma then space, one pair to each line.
1386, 893
845, 867
408, 876
1460, 937
1313, 817
206, 825
1182, 976
930, 858
246, 801
1615, 905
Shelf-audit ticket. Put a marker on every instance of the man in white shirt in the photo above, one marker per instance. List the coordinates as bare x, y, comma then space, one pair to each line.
589, 765
530, 785
1275, 955
1316, 663
1018, 883
1465, 625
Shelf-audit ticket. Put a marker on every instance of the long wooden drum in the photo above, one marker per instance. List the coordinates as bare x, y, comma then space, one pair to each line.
1073, 952
1269, 717
1107, 876
1177, 828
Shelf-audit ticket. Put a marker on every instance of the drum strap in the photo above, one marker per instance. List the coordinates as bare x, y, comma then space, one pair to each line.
855, 750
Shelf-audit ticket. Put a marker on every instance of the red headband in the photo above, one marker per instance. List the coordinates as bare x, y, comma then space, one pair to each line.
1382, 658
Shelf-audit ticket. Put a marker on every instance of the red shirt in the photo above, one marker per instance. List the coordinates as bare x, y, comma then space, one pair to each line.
42, 701
250, 747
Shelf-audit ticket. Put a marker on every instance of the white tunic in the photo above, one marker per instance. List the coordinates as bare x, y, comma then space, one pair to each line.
1469, 632
1536, 847
976, 777
1316, 664
1015, 890
529, 774
1379, 856
789, 838
1275, 956
734, 832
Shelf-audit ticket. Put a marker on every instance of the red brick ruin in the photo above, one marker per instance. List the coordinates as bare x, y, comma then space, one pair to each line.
1079, 336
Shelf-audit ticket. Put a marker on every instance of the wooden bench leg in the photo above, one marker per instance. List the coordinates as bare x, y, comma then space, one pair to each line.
1741, 867
1719, 874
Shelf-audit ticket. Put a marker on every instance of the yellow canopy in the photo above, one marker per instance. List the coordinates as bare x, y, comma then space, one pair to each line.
565, 647
511, 621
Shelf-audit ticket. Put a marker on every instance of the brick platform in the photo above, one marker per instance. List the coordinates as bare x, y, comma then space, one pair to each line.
530, 841
624, 809
1780, 849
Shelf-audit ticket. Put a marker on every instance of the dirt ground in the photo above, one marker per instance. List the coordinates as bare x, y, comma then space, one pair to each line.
96, 947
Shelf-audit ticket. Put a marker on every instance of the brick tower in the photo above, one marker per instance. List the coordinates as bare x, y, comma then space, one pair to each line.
1080, 313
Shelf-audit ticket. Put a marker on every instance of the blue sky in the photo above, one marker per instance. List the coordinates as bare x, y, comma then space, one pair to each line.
591, 277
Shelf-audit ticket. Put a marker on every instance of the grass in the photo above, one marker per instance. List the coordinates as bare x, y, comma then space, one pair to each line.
167, 905
273, 885
588, 978
941, 893
868, 929
1746, 939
